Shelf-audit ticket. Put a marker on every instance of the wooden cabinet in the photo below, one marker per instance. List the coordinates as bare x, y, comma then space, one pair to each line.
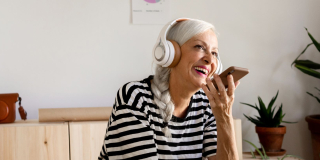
31, 140
86, 139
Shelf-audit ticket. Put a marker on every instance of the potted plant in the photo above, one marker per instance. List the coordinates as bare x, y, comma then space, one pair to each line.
309, 67
268, 126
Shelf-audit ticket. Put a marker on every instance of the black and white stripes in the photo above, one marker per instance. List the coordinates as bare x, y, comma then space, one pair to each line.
134, 128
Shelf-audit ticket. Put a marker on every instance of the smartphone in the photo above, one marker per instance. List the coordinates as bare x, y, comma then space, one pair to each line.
237, 73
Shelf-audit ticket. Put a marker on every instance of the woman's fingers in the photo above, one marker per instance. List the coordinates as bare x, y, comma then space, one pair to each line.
237, 83
221, 87
206, 90
213, 90
210, 85
231, 85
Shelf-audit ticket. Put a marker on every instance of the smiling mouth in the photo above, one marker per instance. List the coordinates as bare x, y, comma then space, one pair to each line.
201, 70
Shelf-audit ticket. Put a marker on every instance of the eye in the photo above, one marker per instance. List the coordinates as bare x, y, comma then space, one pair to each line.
215, 53
199, 47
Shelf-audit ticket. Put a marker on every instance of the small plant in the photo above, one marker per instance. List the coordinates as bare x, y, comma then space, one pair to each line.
267, 117
264, 155
309, 67
289, 156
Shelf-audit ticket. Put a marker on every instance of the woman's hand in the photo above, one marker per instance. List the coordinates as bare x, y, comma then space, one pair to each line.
221, 100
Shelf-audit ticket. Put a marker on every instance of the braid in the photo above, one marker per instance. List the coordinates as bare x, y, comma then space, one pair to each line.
162, 98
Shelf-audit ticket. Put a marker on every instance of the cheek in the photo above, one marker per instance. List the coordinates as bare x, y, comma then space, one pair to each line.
214, 66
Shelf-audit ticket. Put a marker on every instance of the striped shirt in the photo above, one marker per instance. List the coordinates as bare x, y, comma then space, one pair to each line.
135, 127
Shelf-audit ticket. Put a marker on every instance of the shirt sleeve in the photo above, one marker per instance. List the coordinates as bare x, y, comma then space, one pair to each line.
210, 135
128, 135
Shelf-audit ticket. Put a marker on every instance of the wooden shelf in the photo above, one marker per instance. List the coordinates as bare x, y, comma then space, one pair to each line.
248, 156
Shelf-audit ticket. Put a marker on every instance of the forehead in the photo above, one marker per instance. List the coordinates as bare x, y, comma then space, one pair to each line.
208, 37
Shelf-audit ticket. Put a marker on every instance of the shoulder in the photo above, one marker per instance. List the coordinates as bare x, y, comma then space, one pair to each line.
130, 91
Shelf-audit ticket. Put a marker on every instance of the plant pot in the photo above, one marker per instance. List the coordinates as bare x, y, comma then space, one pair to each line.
314, 127
271, 137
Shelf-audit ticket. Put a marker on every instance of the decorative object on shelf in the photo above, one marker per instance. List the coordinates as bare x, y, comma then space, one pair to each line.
268, 126
309, 67
8, 108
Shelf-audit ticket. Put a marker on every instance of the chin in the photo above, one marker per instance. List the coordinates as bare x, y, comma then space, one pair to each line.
198, 84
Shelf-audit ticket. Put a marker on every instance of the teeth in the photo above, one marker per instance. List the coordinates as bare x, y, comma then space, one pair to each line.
201, 69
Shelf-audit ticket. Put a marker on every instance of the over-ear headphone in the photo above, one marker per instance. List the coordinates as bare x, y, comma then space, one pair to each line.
167, 53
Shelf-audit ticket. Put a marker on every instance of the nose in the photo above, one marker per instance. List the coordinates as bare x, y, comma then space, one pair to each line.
209, 58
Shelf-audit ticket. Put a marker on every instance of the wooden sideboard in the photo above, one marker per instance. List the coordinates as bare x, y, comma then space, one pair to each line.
32, 140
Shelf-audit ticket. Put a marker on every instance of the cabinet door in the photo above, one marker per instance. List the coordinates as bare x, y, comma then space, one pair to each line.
86, 139
31, 140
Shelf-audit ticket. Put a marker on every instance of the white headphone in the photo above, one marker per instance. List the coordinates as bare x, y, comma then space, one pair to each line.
167, 53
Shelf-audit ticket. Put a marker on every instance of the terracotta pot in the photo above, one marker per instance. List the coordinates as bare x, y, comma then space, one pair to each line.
314, 127
271, 137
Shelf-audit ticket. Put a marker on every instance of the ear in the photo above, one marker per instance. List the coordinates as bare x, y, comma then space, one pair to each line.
177, 54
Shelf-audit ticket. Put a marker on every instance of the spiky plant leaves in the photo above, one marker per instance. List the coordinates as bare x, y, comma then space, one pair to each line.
301, 53
290, 156
256, 149
272, 102
264, 152
318, 99
308, 71
255, 107
252, 154
272, 112
255, 121
288, 122
259, 118
277, 117
308, 64
267, 117
263, 110
314, 40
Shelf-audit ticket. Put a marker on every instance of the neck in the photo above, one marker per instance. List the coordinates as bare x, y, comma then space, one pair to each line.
181, 91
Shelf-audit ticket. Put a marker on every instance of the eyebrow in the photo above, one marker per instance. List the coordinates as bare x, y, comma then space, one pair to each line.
215, 48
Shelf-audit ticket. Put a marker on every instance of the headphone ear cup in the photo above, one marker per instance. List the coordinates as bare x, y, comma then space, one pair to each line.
177, 53
219, 69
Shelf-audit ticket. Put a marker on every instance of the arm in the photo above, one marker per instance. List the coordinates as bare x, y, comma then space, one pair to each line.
221, 102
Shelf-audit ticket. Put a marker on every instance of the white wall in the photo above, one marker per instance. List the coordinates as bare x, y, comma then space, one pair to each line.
78, 53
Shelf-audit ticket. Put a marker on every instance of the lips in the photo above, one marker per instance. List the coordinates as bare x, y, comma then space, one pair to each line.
203, 71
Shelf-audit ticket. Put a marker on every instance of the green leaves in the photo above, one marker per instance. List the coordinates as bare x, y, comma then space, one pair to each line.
314, 40
301, 53
267, 117
318, 99
308, 71
306, 66
263, 155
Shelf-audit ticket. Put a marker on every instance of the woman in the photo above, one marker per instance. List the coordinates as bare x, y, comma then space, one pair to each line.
177, 113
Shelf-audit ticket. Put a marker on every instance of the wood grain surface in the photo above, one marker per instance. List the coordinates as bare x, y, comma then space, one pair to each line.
86, 139
31, 140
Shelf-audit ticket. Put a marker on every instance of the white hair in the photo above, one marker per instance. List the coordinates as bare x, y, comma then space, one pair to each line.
181, 33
